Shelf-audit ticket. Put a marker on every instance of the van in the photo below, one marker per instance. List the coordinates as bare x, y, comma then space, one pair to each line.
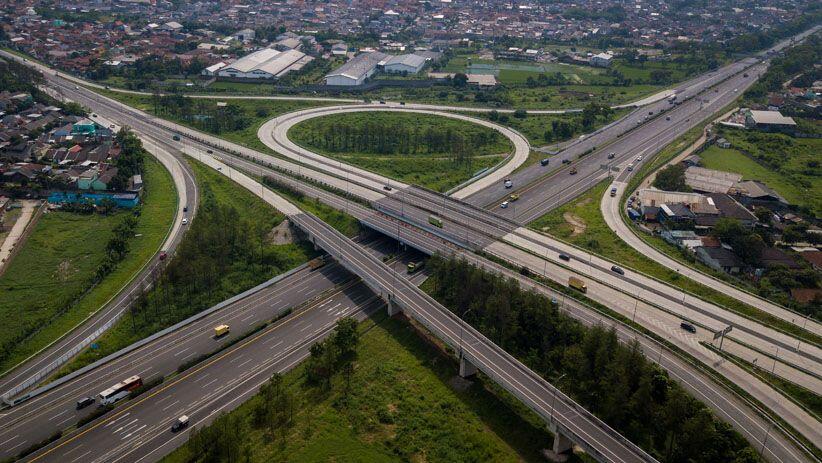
84, 402
221, 330
630, 167
180, 423
687, 327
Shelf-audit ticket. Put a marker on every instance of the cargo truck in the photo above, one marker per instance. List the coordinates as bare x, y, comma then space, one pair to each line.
435, 221
414, 267
221, 330
577, 284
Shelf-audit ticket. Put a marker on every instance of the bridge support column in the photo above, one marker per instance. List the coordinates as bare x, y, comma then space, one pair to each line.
467, 369
393, 308
562, 445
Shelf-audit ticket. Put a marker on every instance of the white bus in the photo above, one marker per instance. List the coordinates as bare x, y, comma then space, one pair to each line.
120, 390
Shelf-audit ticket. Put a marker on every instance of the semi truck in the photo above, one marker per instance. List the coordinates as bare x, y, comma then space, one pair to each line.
577, 284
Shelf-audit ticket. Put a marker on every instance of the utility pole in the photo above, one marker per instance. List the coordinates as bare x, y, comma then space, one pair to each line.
554, 399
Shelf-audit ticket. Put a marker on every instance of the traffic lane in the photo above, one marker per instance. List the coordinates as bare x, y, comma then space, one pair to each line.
667, 326
495, 362
730, 407
602, 136
542, 197
55, 409
209, 387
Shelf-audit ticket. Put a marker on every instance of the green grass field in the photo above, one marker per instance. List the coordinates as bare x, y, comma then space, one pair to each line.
434, 170
791, 173
581, 223
43, 283
258, 216
404, 404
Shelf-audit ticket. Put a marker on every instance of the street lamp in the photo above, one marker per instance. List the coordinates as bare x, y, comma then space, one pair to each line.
554, 400
461, 330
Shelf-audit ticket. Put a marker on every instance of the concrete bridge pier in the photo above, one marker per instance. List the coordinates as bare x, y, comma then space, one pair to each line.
393, 308
562, 445
467, 369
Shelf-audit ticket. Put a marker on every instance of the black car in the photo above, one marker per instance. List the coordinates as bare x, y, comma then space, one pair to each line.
84, 402
210, 151
402, 103
387, 188
565, 257
566, 161
544, 162
185, 208
687, 327
618, 270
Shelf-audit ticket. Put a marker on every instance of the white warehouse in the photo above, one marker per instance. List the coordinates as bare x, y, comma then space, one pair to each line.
265, 64
410, 64
356, 70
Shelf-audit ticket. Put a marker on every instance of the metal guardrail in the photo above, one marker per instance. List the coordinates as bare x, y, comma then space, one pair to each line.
34, 379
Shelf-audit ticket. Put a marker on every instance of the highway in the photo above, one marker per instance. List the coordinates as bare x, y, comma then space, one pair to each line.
58, 352
328, 287
428, 316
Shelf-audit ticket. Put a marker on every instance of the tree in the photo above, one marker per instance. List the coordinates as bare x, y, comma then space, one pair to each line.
520, 114
671, 178
459, 80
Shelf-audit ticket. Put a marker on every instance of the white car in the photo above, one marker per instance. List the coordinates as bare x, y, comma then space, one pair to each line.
639, 158
185, 221
504, 205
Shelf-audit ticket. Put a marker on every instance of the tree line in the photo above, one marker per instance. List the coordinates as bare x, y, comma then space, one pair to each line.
376, 137
613, 380
202, 114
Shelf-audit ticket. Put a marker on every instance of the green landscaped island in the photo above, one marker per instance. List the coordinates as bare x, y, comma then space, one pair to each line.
427, 150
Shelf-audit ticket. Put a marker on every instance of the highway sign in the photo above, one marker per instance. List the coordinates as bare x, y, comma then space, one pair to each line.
723, 332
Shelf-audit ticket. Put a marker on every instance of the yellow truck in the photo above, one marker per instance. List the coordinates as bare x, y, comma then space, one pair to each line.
577, 284
221, 330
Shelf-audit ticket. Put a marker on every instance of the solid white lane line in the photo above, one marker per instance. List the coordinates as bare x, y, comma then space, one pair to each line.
59, 414
9, 440
80, 457
171, 405
180, 352
241, 365
116, 419
209, 383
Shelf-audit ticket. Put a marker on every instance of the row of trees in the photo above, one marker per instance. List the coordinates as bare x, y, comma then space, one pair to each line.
201, 113
613, 380
377, 137
799, 59
131, 159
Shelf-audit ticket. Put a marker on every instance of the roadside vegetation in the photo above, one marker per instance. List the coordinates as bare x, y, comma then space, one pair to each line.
580, 223
612, 380
229, 248
791, 166
376, 391
433, 151
236, 120
547, 129
74, 262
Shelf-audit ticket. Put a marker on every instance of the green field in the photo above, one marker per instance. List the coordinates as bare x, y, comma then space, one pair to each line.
788, 165
42, 285
580, 222
404, 403
434, 168
241, 253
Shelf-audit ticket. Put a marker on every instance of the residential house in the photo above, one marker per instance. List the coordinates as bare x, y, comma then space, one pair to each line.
720, 259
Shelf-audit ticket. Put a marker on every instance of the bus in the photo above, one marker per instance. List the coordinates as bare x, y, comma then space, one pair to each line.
435, 221
120, 390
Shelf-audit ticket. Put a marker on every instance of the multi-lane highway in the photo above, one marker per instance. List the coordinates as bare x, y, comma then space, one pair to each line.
780, 451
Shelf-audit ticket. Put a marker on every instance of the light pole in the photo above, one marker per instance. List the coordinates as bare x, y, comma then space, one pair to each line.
461, 330
554, 400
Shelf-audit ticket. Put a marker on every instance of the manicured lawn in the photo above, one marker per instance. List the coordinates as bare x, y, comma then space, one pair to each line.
789, 166
404, 404
257, 219
434, 169
47, 285
592, 233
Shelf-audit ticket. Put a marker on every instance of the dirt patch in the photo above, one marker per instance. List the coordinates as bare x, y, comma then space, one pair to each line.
576, 222
64, 270
281, 234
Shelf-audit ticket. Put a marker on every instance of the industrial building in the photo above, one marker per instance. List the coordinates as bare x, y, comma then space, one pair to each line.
356, 70
265, 64
409, 64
